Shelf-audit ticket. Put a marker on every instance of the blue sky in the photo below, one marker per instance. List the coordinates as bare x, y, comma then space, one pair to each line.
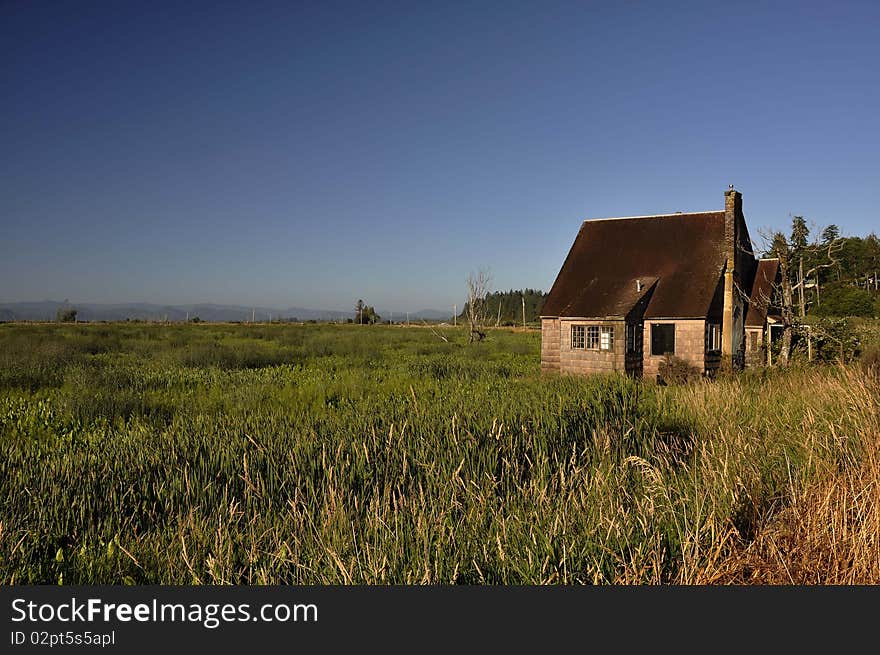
309, 154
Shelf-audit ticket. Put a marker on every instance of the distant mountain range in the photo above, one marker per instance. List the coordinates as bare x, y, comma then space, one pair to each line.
46, 310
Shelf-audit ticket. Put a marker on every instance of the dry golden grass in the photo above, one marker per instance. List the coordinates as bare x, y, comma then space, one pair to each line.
828, 532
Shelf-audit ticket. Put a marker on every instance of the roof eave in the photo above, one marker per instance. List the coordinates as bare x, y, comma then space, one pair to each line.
614, 317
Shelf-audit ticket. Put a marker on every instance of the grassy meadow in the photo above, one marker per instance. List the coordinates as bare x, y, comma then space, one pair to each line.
248, 454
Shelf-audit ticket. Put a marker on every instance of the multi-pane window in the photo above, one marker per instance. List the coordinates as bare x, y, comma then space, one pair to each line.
606, 338
662, 338
713, 337
633, 337
577, 336
593, 337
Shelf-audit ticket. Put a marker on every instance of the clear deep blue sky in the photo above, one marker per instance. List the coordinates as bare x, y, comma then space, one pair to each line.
309, 154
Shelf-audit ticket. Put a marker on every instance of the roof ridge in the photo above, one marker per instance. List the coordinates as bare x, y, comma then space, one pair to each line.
624, 218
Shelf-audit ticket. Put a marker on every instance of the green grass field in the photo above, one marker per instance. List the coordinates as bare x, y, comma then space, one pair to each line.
134, 453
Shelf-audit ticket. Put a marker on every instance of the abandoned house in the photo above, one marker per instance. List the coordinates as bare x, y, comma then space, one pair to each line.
633, 290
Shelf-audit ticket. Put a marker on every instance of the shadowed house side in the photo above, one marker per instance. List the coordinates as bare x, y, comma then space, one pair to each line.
764, 312
635, 289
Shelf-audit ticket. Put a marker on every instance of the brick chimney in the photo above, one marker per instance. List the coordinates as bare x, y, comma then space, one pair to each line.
732, 209
733, 204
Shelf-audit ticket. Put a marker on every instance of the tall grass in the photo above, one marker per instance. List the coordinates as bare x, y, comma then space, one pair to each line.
349, 454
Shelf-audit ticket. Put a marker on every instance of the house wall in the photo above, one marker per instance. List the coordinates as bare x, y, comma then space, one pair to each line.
549, 344
690, 345
558, 355
716, 316
755, 355
586, 361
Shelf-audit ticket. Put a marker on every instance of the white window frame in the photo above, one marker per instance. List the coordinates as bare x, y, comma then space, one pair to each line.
578, 341
592, 338
606, 338
713, 337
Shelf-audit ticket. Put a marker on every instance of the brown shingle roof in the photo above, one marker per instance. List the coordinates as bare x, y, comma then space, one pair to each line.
762, 292
683, 253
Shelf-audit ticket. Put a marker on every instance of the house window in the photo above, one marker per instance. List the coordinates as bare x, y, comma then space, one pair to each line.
713, 337
593, 337
662, 338
630, 338
577, 337
606, 338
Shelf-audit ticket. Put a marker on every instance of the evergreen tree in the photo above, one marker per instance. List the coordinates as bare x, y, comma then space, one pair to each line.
800, 235
830, 233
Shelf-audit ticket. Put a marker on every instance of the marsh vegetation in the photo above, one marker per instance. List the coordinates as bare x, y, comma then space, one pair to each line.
325, 454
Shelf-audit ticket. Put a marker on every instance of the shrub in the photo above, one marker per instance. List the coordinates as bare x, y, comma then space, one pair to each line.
832, 339
65, 315
674, 370
845, 301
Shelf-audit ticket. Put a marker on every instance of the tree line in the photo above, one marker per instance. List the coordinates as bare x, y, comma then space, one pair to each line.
505, 308
825, 275
829, 275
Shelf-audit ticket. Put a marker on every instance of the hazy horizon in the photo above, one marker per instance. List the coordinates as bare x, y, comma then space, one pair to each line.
280, 311
282, 155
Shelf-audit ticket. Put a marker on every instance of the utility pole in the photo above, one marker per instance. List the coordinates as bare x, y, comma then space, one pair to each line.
524, 310
407, 319
187, 317
455, 315
253, 314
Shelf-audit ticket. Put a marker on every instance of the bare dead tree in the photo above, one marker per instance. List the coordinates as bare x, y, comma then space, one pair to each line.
827, 256
477, 291
440, 336
787, 307
782, 293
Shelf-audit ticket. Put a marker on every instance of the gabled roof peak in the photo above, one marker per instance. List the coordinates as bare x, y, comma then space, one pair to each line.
676, 214
684, 252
